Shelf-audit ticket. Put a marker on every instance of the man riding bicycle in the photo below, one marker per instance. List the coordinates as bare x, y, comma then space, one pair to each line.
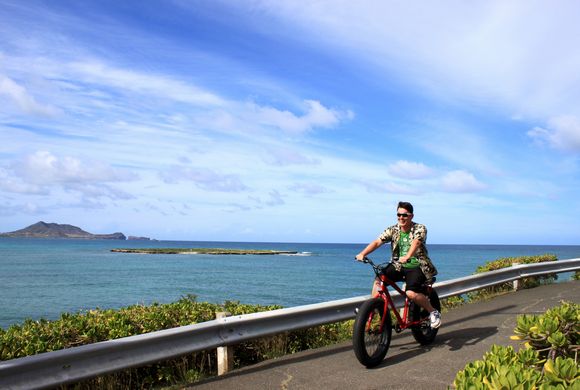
410, 259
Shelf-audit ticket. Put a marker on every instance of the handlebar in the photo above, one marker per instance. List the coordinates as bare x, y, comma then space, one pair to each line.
376, 268
367, 260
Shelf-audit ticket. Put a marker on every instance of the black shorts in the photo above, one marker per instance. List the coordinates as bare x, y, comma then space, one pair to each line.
413, 277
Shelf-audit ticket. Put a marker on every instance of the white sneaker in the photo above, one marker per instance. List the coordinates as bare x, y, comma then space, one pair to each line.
435, 319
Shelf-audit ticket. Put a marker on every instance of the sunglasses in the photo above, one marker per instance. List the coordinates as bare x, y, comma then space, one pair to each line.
404, 215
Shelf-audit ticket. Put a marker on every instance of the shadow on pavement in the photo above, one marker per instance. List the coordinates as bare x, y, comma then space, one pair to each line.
455, 340
498, 310
460, 338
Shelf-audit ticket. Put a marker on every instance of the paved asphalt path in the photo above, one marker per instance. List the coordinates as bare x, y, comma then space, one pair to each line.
465, 335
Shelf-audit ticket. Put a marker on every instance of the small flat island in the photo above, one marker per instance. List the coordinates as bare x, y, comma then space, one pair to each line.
202, 251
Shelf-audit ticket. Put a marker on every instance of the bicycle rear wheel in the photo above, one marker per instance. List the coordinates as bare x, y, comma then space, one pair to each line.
370, 342
423, 333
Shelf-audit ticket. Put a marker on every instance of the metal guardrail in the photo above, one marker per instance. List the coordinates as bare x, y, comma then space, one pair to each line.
75, 364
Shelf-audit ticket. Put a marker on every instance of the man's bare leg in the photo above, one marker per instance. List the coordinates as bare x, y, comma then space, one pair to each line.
421, 300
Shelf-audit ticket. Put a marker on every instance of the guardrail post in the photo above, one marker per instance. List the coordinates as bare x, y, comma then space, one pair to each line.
225, 355
516, 282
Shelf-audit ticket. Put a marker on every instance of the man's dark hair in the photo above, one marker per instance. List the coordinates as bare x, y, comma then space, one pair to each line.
405, 205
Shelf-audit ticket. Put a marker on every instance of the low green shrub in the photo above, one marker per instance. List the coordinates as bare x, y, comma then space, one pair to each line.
501, 368
548, 361
33, 337
554, 333
562, 374
453, 302
92, 326
524, 283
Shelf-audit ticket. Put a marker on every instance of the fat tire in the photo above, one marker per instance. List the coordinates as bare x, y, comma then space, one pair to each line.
371, 348
425, 334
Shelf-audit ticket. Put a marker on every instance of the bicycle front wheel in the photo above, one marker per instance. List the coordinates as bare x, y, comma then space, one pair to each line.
372, 332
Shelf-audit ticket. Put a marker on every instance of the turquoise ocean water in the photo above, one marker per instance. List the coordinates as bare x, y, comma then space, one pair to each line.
43, 278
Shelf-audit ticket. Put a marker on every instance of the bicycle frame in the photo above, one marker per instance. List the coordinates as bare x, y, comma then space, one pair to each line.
383, 293
389, 304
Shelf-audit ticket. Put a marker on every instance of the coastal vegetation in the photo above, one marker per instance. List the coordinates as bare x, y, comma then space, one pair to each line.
74, 329
86, 327
202, 251
489, 292
548, 360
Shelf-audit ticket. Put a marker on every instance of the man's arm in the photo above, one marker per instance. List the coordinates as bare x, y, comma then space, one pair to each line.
369, 249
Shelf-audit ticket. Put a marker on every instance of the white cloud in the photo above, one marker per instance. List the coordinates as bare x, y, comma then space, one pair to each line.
409, 170
275, 198
240, 207
26, 208
519, 54
204, 178
42, 173
92, 191
10, 183
563, 132
286, 156
157, 85
460, 144
316, 115
310, 188
461, 181
43, 167
137, 100
389, 188
24, 100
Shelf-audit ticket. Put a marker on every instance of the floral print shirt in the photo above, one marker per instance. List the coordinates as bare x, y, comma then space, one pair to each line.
417, 231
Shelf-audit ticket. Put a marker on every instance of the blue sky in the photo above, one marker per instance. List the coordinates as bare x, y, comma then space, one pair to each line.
292, 121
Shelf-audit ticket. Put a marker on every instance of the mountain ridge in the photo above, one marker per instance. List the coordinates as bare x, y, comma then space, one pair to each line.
43, 229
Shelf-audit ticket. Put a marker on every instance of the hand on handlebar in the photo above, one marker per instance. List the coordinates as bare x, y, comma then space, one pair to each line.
362, 258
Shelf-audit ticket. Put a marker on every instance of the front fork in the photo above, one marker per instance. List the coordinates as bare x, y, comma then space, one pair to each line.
387, 304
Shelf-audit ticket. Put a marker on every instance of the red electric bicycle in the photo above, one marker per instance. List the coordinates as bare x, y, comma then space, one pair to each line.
373, 326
